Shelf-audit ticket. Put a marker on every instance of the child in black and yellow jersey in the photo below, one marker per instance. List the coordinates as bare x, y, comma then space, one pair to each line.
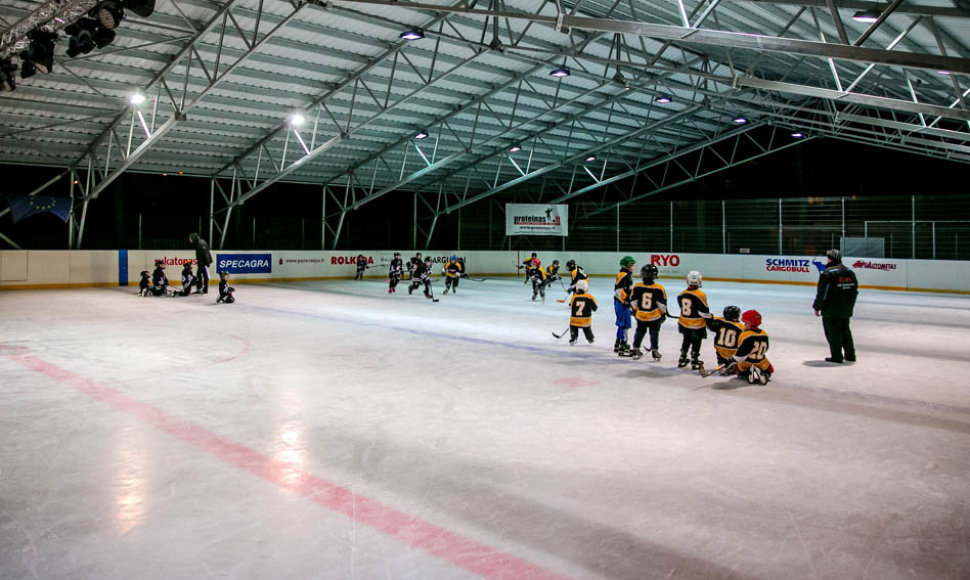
726, 332
693, 312
581, 307
452, 272
753, 365
649, 302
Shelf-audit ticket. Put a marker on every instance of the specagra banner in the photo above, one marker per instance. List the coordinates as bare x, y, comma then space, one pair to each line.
522, 219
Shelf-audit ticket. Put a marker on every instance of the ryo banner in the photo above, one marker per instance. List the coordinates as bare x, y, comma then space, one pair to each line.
523, 219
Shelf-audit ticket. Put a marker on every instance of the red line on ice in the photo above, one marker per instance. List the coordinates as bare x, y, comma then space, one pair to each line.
449, 546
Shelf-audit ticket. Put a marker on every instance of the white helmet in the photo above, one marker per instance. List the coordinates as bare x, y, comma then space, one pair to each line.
582, 286
694, 278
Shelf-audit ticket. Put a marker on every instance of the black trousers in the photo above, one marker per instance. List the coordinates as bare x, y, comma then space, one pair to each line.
202, 278
839, 335
574, 333
653, 326
692, 340
451, 282
393, 280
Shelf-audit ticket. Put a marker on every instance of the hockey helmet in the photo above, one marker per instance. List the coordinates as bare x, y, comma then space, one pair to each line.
627, 261
224, 274
582, 286
534, 254
536, 262
397, 254
694, 278
732, 313
144, 273
570, 264
453, 258
555, 262
751, 318
159, 263
187, 265
649, 272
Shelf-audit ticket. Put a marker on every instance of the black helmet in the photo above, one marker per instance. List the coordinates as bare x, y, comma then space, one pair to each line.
397, 254
649, 272
732, 313
570, 264
555, 262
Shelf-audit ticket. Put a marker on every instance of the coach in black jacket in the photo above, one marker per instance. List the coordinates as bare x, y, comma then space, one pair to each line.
834, 301
204, 259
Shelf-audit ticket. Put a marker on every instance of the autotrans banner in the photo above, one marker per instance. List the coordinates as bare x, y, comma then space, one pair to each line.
523, 219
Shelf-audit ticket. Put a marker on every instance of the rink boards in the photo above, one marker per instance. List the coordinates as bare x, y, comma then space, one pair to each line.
23, 269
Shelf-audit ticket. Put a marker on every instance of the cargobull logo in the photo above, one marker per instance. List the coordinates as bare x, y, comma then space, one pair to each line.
885, 266
672, 260
245, 263
798, 265
348, 260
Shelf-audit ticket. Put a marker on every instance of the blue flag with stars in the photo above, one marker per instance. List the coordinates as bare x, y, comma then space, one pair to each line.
22, 206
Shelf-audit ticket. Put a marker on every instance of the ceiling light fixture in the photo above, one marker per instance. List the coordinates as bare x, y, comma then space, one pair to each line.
81, 36
797, 135
663, 99
136, 99
515, 149
109, 14
740, 120
560, 72
866, 16
39, 56
296, 119
421, 135
413, 34
590, 158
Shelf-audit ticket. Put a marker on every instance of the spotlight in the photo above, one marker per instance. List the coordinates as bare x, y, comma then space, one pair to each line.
515, 149
296, 119
81, 36
109, 14
103, 37
797, 135
590, 158
143, 8
663, 99
943, 72
559, 72
740, 120
136, 99
413, 34
39, 56
421, 135
8, 80
866, 16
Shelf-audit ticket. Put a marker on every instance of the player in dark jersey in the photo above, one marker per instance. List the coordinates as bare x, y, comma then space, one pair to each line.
726, 332
225, 290
159, 279
649, 302
691, 323
576, 274
145, 284
187, 280
394, 272
581, 307
551, 274
452, 272
538, 277
753, 365
621, 303
421, 274
361, 266
413, 263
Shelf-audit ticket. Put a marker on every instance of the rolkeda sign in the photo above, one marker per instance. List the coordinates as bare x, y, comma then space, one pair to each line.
523, 219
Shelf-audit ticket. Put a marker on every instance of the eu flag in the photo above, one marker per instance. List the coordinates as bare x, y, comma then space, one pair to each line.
22, 206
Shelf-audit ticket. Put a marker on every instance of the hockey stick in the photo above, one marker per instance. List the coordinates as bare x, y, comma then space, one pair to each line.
706, 374
562, 334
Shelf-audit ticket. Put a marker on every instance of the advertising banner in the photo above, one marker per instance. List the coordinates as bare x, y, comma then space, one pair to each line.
523, 219
244, 263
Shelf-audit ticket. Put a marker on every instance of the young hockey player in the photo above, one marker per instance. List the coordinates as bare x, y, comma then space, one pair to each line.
753, 365
361, 266
145, 284
726, 332
693, 311
394, 272
225, 290
581, 307
414, 262
576, 274
538, 278
621, 303
187, 280
452, 271
464, 271
649, 302
421, 274
159, 279
551, 275
527, 264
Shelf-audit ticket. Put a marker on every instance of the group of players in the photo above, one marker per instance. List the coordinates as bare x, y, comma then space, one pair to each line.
740, 343
419, 269
156, 284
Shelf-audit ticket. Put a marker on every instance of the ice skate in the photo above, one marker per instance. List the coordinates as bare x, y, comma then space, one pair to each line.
682, 361
572, 341
633, 353
656, 354
695, 363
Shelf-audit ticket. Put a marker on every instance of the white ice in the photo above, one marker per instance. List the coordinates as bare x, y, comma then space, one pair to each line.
124, 422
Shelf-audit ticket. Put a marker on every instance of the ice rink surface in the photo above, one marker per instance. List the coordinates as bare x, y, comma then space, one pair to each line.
330, 430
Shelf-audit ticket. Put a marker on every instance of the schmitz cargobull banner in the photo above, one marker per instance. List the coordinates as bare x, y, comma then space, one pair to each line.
523, 219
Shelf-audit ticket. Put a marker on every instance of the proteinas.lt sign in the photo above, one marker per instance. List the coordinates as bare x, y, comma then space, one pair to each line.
245, 263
